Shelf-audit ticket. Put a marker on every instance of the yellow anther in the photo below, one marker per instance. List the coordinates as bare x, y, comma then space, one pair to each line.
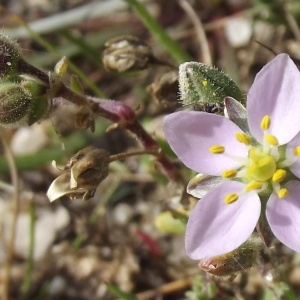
243, 138
204, 82
282, 193
271, 139
279, 175
255, 185
265, 122
217, 149
230, 198
229, 173
297, 151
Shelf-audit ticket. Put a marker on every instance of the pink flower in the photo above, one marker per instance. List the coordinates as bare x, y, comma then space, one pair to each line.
261, 164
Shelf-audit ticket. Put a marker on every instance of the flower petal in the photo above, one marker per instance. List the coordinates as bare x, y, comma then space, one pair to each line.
284, 216
275, 92
191, 134
295, 167
216, 228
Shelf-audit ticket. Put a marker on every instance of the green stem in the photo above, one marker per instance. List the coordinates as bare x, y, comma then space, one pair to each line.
27, 279
170, 45
16, 208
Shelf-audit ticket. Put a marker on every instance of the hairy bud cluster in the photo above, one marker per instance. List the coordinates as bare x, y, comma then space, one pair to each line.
10, 55
15, 103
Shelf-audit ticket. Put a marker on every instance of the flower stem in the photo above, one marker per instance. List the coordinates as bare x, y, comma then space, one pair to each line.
16, 206
27, 280
123, 115
132, 153
27, 68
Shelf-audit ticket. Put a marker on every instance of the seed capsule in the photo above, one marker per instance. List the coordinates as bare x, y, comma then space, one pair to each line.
126, 53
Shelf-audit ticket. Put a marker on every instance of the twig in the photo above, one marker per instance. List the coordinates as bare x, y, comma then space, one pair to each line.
203, 43
167, 288
292, 23
16, 205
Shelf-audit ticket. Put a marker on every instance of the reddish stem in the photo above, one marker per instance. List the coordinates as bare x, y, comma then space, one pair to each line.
125, 117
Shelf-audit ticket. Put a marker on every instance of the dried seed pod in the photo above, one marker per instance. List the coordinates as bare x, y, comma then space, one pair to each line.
165, 89
10, 55
82, 175
126, 53
15, 103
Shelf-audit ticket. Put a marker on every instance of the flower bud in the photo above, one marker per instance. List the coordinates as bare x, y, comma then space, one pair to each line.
15, 103
205, 85
167, 223
61, 66
126, 53
82, 175
235, 261
10, 55
39, 104
165, 89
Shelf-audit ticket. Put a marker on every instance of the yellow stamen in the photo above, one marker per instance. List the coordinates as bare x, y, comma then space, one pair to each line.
204, 82
279, 175
282, 193
255, 185
229, 173
230, 198
217, 149
297, 151
265, 122
243, 138
271, 139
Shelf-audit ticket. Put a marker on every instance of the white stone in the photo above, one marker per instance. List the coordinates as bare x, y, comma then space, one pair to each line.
28, 140
238, 31
46, 227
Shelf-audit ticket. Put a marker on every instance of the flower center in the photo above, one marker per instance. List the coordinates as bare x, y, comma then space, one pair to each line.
262, 168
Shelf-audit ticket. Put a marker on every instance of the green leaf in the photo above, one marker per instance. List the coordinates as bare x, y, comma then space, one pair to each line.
120, 294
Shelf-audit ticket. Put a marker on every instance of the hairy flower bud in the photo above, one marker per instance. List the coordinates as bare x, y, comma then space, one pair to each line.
15, 103
126, 53
39, 104
206, 86
231, 263
10, 55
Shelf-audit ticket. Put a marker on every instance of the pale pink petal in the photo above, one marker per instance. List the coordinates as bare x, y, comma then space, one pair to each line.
191, 134
216, 228
295, 167
284, 216
275, 92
